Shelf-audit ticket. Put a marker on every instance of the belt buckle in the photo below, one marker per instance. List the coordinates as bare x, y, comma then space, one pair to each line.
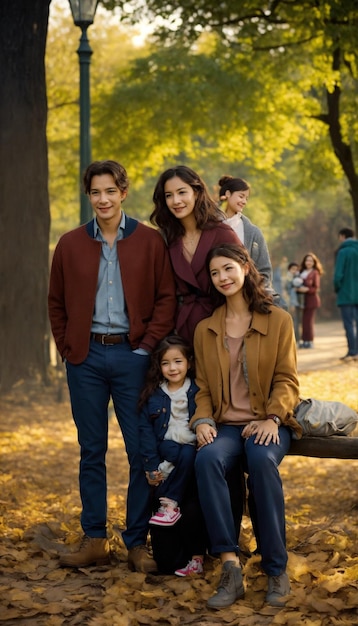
102, 340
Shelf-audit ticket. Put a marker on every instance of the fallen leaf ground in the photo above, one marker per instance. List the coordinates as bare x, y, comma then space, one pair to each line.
39, 518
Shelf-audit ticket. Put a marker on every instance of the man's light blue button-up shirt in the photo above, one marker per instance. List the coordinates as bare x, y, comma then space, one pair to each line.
109, 314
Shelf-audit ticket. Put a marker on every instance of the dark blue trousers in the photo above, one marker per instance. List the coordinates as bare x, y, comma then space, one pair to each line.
349, 313
109, 371
213, 462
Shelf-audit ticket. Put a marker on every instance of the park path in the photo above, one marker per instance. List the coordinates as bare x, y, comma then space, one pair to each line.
329, 345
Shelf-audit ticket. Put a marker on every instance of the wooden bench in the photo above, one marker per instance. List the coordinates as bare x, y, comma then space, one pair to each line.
334, 447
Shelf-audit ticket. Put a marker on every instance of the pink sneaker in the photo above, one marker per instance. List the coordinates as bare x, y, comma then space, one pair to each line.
195, 566
165, 517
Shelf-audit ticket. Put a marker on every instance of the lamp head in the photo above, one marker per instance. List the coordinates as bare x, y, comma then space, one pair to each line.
83, 11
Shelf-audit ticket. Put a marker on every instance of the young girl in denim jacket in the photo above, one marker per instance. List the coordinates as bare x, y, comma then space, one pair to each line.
167, 444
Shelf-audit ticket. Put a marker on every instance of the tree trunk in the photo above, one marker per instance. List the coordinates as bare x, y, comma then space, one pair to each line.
24, 202
342, 149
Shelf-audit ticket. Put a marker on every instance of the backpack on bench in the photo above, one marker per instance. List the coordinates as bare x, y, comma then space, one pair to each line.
320, 418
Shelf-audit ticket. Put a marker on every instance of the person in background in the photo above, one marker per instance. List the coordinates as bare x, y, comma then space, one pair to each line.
234, 195
310, 271
168, 445
345, 283
248, 388
191, 224
111, 299
278, 273
293, 281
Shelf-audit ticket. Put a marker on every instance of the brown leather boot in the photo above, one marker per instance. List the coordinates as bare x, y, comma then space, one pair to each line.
139, 560
92, 551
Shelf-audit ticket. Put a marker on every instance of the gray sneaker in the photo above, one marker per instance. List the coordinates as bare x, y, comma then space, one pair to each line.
278, 587
230, 588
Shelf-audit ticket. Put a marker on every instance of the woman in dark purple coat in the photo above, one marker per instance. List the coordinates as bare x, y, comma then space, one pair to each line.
191, 224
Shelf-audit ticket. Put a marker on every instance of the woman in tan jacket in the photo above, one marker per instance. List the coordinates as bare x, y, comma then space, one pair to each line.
246, 372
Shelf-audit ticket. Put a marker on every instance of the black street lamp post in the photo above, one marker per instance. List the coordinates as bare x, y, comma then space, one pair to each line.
83, 12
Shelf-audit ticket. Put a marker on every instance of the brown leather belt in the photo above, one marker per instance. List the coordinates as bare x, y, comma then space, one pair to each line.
109, 340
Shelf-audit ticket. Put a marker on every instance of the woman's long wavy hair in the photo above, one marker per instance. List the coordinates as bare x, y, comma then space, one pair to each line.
206, 211
316, 263
154, 375
253, 289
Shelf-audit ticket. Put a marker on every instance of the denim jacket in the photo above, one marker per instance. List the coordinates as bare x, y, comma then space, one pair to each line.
153, 424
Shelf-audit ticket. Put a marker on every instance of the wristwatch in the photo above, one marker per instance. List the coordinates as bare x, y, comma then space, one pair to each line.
275, 418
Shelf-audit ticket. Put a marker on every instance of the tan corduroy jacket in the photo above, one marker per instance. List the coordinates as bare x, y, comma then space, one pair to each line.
269, 363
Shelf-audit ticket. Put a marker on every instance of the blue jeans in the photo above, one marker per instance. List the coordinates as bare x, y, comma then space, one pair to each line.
182, 455
213, 461
349, 313
109, 371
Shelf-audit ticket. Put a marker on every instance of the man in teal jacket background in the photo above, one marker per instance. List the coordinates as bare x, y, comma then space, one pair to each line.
346, 287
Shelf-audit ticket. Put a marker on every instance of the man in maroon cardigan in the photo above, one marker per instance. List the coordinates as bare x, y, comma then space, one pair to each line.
111, 299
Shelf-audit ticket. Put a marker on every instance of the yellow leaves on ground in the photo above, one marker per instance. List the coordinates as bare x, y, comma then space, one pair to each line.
39, 518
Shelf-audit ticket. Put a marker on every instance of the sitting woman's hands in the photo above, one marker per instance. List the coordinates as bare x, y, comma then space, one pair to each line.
154, 478
204, 434
265, 431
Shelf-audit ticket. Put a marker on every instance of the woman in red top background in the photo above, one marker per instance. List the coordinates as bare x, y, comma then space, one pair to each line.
311, 271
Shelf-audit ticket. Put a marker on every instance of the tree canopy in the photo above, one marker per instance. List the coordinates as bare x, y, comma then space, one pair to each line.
217, 109
312, 44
